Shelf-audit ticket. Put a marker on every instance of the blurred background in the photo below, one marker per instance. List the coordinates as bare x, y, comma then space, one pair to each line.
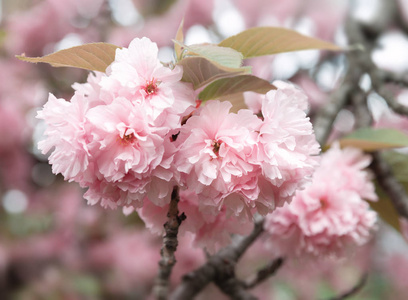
54, 246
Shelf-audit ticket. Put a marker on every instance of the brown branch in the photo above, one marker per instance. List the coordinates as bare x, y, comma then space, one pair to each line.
390, 184
362, 60
216, 267
400, 21
170, 243
231, 286
382, 170
392, 77
362, 114
354, 290
264, 273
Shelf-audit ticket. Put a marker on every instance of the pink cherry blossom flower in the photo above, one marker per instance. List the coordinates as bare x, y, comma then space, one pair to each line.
287, 147
122, 141
114, 136
66, 133
214, 156
330, 216
138, 75
243, 162
129, 156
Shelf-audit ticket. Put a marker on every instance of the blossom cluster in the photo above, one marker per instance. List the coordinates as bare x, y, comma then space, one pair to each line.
330, 216
113, 136
132, 134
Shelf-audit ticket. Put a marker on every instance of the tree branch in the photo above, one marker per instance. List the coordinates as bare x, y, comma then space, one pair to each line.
388, 76
231, 286
224, 261
170, 243
264, 273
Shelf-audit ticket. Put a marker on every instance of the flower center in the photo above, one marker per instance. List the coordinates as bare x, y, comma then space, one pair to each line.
151, 87
323, 203
128, 139
216, 146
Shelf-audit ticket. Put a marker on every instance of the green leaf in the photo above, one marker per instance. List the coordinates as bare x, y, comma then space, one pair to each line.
399, 164
386, 211
371, 139
235, 85
178, 47
94, 57
224, 56
260, 41
200, 71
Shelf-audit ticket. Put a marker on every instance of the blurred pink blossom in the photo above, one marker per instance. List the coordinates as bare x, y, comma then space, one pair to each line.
330, 216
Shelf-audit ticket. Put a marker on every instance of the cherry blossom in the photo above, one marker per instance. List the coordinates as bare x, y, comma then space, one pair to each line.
330, 216
246, 163
114, 135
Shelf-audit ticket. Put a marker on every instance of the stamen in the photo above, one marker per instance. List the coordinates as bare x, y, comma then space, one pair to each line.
127, 139
216, 146
323, 203
151, 87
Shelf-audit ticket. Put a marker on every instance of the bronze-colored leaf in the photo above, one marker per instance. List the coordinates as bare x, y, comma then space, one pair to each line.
93, 57
200, 71
235, 85
178, 48
260, 41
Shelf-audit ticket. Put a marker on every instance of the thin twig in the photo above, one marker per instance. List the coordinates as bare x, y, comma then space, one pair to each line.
231, 286
224, 261
392, 77
360, 284
264, 273
170, 243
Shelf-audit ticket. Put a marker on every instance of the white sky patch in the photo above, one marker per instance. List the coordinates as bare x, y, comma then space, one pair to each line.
340, 37
365, 82
70, 40
38, 135
166, 54
197, 34
403, 97
305, 26
15, 201
377, 105
392, 51
307, 59
124, 12
227, 18
328, 75
365, 10
284, 66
